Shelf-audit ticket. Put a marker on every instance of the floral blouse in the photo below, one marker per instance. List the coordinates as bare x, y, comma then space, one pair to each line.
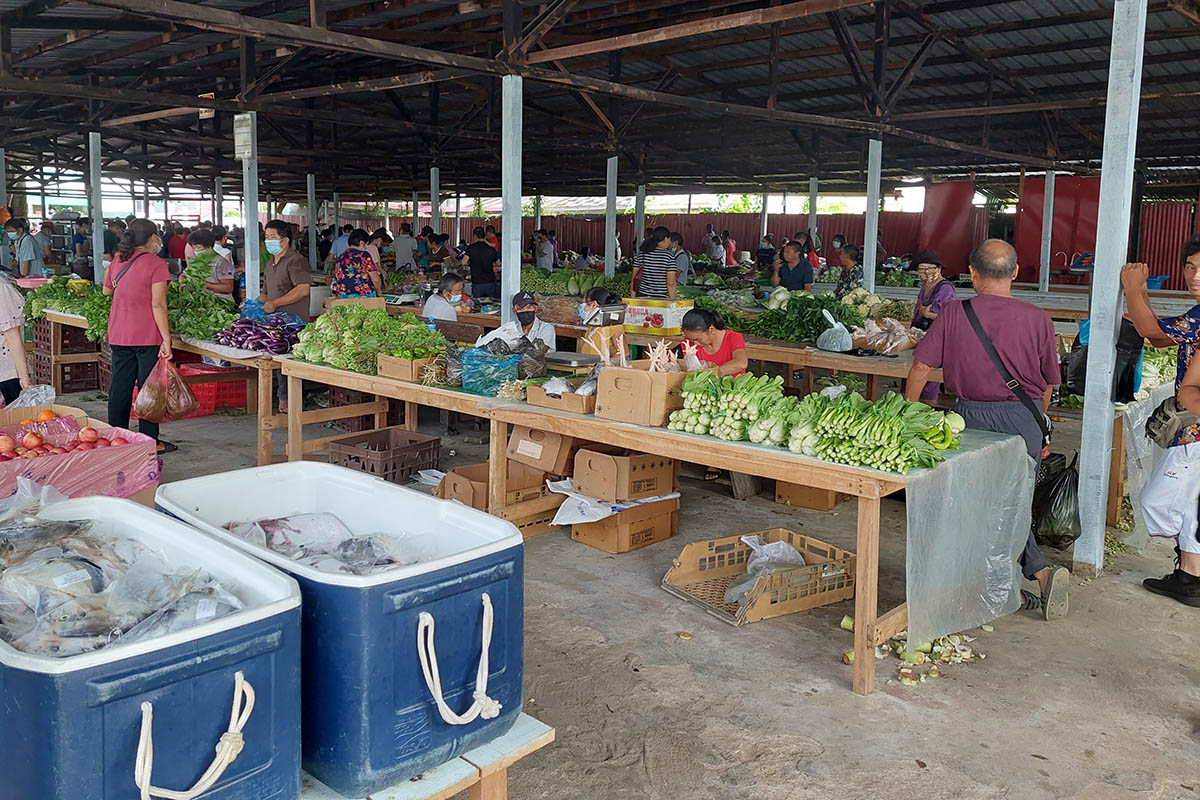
1184, 330
850, 280
352, 274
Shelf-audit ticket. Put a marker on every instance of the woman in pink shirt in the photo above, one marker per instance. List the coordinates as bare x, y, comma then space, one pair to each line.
138, 332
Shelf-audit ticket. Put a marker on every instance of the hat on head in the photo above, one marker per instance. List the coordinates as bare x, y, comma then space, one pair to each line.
523, 299
927, 257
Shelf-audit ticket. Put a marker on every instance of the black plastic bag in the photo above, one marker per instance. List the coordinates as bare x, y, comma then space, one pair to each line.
1129, 350
1056, 507
533, 355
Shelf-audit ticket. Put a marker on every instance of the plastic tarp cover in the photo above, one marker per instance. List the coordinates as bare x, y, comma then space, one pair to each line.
1141, 454
968, 521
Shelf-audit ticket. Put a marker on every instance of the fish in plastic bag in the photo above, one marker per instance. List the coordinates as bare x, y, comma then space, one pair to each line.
194, 608
49, 577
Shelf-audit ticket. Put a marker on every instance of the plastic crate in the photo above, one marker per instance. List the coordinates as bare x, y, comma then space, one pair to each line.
74, 340
369, 719
75, 377
347, 397
705, 569
394, 454
226, 394
1156, 281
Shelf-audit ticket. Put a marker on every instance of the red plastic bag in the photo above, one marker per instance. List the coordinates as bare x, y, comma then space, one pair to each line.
165, 396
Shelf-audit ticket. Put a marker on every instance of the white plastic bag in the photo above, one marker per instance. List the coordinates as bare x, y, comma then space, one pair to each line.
767, 553
691, 357
40, 395
30, 498
837, 339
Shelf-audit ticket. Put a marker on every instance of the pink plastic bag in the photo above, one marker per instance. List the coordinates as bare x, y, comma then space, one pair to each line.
165, 396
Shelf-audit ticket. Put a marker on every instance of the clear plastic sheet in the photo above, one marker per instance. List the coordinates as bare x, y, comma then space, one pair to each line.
40, 395
65, 590
1141, 455
968, 520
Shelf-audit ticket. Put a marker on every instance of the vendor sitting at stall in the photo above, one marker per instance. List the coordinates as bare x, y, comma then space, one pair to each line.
526, 324
792, 271
935, 293
589, 309
444, 303
722, 351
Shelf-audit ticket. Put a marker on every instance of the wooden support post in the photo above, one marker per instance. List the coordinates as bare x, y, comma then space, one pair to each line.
491, 787
866, 594
295, 421
497, 466
410, 415
264, 396
1116, 473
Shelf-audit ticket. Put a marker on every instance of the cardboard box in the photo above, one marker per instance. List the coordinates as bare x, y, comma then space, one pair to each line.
660, 317
366, 302
401, 369
145, 496
618, 478
576, 404
632, 528
469, 485
549, 452
798, 496
634, 394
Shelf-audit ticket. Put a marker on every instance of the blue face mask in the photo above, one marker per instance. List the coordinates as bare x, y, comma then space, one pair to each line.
455, 299
12, 236
273, 246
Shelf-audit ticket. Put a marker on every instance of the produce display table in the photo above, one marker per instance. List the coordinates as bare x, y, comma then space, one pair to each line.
482, 772
1059, 305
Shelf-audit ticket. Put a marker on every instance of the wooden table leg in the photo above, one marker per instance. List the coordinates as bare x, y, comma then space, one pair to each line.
866, 594
411, 410
252, 394
265, 394
491, 787
497, 466
809, 380
295, 417
56, 332
872, 387
1116, 474
381, 417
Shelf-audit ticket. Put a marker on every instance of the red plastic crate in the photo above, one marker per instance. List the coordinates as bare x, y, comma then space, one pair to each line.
75, 377
211, 396
74, 340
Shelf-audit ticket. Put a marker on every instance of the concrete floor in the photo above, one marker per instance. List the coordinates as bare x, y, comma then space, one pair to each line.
1103, 706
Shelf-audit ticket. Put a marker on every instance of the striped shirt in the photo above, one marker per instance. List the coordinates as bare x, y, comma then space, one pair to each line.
654, 266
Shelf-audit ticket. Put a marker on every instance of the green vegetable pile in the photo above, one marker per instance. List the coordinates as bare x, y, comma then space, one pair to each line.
801, 319
572, 282
350, 337
895, 277
192, 310
1159, 366
80, 297
891, 434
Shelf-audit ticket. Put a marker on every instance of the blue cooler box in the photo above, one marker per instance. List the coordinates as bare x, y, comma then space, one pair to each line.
70, 727
371, 719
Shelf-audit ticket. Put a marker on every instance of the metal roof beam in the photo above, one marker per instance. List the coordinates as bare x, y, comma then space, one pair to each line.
762, 16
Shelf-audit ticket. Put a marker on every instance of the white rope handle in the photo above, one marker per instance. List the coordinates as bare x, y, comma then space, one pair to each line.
484, 707
228, 747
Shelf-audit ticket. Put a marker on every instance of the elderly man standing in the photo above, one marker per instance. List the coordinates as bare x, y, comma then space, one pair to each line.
997, 356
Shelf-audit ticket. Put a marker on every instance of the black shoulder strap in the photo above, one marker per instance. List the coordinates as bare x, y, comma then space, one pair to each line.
125, 269
1009, 380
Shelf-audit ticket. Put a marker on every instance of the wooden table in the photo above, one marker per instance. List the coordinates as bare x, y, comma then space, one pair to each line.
869, 486
482, 772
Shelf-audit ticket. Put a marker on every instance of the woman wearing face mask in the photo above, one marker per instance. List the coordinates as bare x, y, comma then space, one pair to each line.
526, 325
356, 274
28, 248
590, 307
443, 304
138, 331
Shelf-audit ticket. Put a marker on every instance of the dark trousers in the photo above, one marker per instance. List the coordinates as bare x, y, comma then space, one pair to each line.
1014, 418
10, 389
486, 290
130, 365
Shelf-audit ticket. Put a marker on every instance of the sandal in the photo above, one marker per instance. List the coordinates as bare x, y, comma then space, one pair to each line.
712, 474
166, 447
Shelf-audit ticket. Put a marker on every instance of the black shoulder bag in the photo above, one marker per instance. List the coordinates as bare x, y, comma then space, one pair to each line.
924, 322
1009, 380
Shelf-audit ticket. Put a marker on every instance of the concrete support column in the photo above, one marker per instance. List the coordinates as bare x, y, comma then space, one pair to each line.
250, 256
812, 207
762, 216
435, 199
4, 202
871, 234
1112, 240
311, 180
512, 92
219, 201
639, 214
94, 178
610, 218
1047, 232
537, 211
416, 205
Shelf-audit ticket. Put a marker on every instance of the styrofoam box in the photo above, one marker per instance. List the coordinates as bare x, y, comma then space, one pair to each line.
70, 726
369, 719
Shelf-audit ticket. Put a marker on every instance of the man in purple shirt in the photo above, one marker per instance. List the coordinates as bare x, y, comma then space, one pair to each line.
1023, 336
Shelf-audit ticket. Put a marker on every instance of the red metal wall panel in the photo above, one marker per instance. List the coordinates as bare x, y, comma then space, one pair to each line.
1165, 227
946, 223
1076, 202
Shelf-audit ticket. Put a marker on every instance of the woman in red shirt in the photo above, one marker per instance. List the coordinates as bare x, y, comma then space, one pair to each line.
138, 331
722, 351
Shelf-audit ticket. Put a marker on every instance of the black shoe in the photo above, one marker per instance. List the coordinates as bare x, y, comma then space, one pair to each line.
1180, 585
